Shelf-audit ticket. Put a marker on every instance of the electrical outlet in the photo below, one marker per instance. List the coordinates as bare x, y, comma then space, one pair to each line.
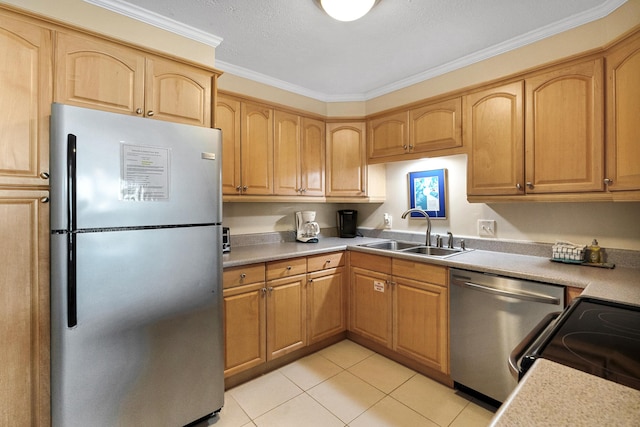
486, 228
387, 221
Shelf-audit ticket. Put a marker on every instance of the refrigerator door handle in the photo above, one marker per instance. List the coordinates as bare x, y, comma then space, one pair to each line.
72, 306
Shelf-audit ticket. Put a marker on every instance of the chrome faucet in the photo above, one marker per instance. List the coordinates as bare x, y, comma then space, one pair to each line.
450, 243
426, 215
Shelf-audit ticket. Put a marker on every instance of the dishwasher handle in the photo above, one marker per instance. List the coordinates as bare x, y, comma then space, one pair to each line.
523, 295
527, 342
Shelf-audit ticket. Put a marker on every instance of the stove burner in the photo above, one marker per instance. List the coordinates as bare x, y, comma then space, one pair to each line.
616, 356
625, 322
598, 337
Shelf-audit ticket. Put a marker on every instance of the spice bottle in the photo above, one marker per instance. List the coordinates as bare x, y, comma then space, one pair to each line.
594, 252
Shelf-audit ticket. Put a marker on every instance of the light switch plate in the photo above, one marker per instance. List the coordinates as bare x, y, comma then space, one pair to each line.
486, 228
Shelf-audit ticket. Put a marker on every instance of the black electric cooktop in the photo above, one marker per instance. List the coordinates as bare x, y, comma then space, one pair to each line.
598, 337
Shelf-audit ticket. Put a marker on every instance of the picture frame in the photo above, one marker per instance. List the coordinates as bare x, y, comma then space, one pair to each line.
427, 191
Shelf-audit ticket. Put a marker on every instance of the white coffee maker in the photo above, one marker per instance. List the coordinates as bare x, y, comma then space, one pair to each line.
307, 229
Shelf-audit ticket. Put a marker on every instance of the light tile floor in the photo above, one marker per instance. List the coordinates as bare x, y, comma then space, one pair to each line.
348, 385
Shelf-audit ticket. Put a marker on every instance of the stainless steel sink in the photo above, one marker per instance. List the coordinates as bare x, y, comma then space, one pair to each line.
432, 251
413, 248
391, 245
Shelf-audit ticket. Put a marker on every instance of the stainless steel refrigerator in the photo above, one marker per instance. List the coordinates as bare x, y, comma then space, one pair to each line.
136, 270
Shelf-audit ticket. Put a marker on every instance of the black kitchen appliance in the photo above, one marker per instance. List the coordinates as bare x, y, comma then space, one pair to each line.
226, 240
347, 221
592, 335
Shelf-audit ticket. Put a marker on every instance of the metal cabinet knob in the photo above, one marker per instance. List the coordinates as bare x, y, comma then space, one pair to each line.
245, 188
288, 268
529, 184
150, 113
518, 186
138, 110
243, 276
44, 200
44, 175
608, 181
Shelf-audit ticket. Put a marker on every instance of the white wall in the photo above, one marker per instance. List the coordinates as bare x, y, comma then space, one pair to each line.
615, 225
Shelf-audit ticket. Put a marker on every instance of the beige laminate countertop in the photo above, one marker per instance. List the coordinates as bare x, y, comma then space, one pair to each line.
550, 394
511, 265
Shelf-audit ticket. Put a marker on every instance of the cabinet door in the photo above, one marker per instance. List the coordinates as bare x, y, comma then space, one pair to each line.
346, 159
228, 119
494, 136
24, 309
388, 135
244, 328
177, 92
436, 126
97, 74
371, 305
25, 103
312, 149
564, 140
286, 153
286, 315
256, 148
623, 112
420, 323
326, 304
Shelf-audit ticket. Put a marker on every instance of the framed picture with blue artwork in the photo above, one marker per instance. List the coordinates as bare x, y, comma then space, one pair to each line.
427, 191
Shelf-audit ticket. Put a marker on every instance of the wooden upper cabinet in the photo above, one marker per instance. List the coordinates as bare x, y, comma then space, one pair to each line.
436, 126
177, 92
346, 159
623, 113
256, 148
494, 136
388, 135
564, 139
286, 153
312, 157
95, 73
25, 103
228, 119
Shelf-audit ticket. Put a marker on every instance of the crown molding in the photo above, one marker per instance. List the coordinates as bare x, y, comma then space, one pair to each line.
500, 48
152, 18
159, 21
281, 84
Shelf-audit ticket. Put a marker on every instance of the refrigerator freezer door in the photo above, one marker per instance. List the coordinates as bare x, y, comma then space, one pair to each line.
132, 171
148, 346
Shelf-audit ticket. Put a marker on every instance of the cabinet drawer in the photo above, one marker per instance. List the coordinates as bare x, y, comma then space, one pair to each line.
286, 268
378, 263
430, 273
324, 261
243, 275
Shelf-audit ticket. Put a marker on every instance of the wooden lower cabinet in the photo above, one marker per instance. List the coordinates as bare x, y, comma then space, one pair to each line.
326, 296
421, 313
24, 308
403, 305
326, 304
244, 318
371, 299
286, 315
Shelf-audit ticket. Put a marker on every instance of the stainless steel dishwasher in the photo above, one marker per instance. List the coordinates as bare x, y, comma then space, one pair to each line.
490, 315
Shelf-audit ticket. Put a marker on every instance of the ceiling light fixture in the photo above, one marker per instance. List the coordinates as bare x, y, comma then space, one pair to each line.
347, 10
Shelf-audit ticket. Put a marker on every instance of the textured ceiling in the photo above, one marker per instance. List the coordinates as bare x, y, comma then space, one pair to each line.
294, 45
